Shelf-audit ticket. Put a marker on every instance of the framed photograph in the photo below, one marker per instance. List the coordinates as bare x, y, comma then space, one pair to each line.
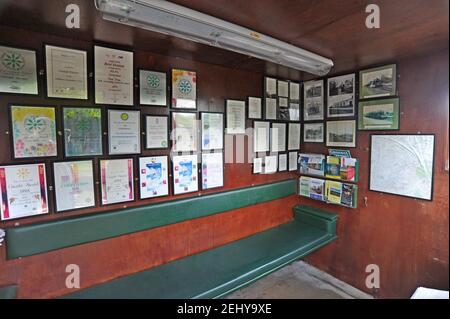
270, 164
402, 165
378, 82
82, 131
74, 185
124, 132
271, 109
184, 89
341, 96
282, 162
294, 112
278, 137
235, 112
294, 131
212, 131
185, 174
184, 132
261, 136
254, 108
156, 132
66, 71
313, 132
18, 71
313, 100
212, 170
293, 161
341, 133
33, 131
283, 88
152, 88
153, 176
113, 76
270, 87
117, 180
23, 190
380, 114
257, 165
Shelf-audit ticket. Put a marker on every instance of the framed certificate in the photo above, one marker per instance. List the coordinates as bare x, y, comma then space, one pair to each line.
212, 131
271, 109
282, 162
278, 137
254, 108
185, 174
283, 88
184, 89
184, 132
212, 170
82, 131
66, 73
270, 87
74, 185
117, 180
157, 131
313, 100
294, 130
113, 76
270, 164
124, 129
23, 190
261, 136
152, 88
18, 71
294, 92
257, 165
33, 131
153, 176
235, 110
293, 161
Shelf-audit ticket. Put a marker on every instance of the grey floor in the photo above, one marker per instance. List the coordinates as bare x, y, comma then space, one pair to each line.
299, 280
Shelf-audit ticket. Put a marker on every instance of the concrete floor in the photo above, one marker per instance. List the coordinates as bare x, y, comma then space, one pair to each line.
299, 280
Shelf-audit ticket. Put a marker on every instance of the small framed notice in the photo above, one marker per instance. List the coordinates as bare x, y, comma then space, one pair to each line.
124, 132
157, 131
212, 170
117, 180
185, 174
254, 108
152, 88
184, 89
235, 110
212, 130
154, 176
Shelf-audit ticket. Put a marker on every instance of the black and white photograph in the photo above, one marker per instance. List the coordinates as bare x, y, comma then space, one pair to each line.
341, 133
378, 82
313, 100
341, 96
313, 133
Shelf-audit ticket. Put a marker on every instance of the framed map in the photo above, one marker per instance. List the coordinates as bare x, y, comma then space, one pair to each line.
402, 165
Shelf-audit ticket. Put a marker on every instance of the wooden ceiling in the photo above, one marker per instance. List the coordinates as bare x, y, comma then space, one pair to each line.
335, 29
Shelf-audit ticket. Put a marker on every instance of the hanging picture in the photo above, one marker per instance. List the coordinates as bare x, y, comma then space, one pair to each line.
378, 82
313, 132
157, 131
154, 176
282, 162
113, 76
82, 131
117, 180
23, 190
380, 114
254, 107
341, 133
18, 71
293, 161
152, 88
212, 130
278, 137
271, 109
257, 165
184, 132
294, 101
235, 112
185, 174
33, 131
74, 185
270, 164
294, 131
283, 88
124, 129
261, 136
341, 96
212, 170
184, 89
313, 100
270, 87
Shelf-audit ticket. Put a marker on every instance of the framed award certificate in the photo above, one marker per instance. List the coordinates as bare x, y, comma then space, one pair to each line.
74, 185
66, 73
153, 176
235, 110
124, 132
152, 88
282, 162
113, 76
185, 174
212, 170
184, 89
23, 190
157, 131
18, 71
117, 180
270, 164
82, 131
271, 109
294, 130
33, 131
278, 137
261, 136
293, 164
184, 132
254, 108
212, 130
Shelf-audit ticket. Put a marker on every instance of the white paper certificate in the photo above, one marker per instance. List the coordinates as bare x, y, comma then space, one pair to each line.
294, 136
185, 174
212, 170
293, 164
254, 108
257, 165
152, 88
261, 136
154, 176
271, 86
270, 164
283, 88
184, 132
113, 76
294, 91
124, 132
282, 162
23, 190
74, 185
271, 109
212, 131
66, 73
235, 117
117, 181
18, 71
278, 137
157, 131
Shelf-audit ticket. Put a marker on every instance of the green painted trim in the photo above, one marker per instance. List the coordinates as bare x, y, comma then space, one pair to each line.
8, 292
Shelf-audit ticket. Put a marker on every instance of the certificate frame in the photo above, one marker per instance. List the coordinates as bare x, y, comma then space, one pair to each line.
146, 136
11, 129
139, 131
268, 140
239, 130
175, 167
222, 131
272, 150
133, 180
284, 155
274, 118
290, 169
166, 105
289, 136
85, 75
172, 89
260, 108
202, 169
168, 170
173, 131
265, 92
94, 183
260, 161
